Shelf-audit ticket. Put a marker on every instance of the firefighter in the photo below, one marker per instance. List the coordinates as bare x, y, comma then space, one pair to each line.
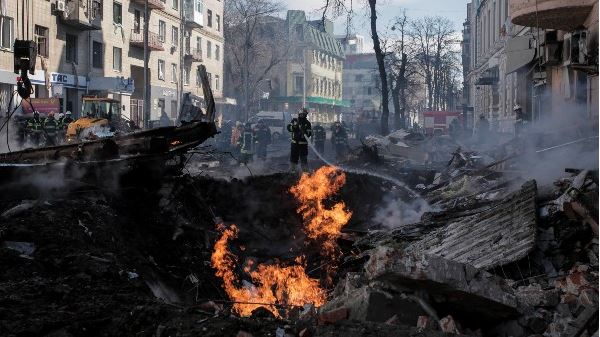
339, 139
300, 129
520, 120
320, 137
454, 129
246, 144
51, 128
263, 138
35, 128
236, 133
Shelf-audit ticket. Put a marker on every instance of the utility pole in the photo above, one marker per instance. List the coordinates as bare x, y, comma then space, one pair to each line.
304, 78
146, 77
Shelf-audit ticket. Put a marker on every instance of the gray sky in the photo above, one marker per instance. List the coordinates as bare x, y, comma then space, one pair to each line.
455, 10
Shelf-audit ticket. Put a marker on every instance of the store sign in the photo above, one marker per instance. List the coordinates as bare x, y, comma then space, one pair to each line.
68, 80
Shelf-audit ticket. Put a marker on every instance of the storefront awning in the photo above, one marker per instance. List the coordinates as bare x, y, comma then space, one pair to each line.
520, 52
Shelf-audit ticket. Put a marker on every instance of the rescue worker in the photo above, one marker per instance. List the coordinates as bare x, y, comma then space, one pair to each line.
299, 128
21, 124
263, 138
454, 129
483, 129
235, 134
520, 120
63, 123
339, 139
35, 128
320, 137
246, 144
51, 126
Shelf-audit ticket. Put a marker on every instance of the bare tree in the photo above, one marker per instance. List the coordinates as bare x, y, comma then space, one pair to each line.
254, 47
432, 37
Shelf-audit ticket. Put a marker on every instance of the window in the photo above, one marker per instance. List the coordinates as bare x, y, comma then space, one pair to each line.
173, 109
117, 13
198, 79
97, 9
97, 54
41, 37
162, 30
175, 36
218, 22
217, 52
175, 4
137, 19
298, 83
161, 70
6, 27
208, 49
199, 44
71, 48
217, 82
209, 75
173, 72
117, 54
186, 76
209, 18
199, 6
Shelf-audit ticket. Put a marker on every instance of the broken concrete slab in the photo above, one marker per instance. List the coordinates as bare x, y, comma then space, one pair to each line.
459, 288
493, 236
534, 296
368, 304
372, 329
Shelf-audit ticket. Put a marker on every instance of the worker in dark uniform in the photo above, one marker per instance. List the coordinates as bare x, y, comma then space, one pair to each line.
35, 128
454, 129
320, 136
299, 128
339, 139
246, 144
262, 134
50, 129
21, 124
63, 124
520, 120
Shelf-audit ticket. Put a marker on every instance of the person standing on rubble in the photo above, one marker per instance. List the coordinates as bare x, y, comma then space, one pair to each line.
246, 144
483, 129
262, 134
454, 129
320, 137
520, 120
35, 128
339, 139
236, 133
300, 129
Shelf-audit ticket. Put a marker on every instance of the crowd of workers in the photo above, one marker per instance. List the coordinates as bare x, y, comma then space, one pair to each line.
249, 141
40, 131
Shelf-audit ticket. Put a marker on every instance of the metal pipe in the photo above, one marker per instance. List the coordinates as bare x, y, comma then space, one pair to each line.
146, 77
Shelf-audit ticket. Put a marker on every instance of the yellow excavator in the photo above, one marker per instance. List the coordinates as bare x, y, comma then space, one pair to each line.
100, 118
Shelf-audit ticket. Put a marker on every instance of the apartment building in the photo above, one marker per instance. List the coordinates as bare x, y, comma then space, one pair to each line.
312, 75
352, 43
362, 88
96, 47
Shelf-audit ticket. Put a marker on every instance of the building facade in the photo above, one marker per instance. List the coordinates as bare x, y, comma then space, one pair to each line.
312, 74
96, 47
362, 88
352, 44
508, 62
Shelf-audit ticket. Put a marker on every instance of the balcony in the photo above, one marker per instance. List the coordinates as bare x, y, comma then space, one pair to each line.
564, 15
195, 55
83, 14
152, 4
192, 17
154, 40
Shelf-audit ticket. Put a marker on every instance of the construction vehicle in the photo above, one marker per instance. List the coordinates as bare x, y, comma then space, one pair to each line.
100, 117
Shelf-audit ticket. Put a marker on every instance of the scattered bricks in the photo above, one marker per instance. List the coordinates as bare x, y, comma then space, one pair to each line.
574, 282
333, 316
534, 296
449, 325
243, 334
425, 323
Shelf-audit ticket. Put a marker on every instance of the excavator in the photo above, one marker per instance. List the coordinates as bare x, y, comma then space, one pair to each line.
101, 118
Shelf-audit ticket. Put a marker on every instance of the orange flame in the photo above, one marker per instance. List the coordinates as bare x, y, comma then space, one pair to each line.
322, 223
271, 284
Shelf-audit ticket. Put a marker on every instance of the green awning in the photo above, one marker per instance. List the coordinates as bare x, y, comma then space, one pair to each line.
311, 99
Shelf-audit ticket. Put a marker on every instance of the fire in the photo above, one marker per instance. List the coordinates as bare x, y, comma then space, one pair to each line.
321, 223
272, 284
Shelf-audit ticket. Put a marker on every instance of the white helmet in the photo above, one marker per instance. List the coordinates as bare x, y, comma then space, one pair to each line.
61, 115
68, 113
516, 107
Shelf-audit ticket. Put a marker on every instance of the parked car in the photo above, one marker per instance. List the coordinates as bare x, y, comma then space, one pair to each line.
275, 120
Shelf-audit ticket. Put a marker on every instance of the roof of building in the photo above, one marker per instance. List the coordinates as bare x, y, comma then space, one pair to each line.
312, 34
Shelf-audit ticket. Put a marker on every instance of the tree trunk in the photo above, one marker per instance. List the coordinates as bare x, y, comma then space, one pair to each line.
396, 102
385, 111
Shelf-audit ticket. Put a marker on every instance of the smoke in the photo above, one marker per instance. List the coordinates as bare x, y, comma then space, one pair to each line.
394, 212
